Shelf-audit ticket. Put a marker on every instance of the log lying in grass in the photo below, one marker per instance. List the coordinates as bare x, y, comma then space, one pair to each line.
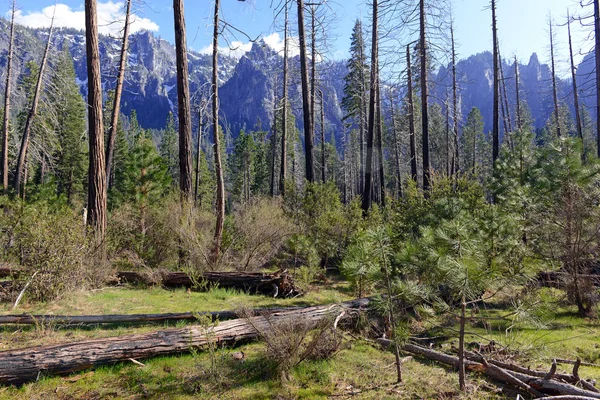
278, 284
522, 379
5, 272
28, 319
557, 279
23, 365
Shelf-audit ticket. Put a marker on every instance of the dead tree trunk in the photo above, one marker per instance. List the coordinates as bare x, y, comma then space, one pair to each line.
273, 142
7, 93
597, 54
323, 154
20, 366
283, 171
29, 319
396, 145
216, 138
574, 79
367, 192
495, 127
424, 98
183, 102
114, 120
31, 115
518, 99
455, 159
306, 110
278, 284
201, 108
554, 91
380, 142
97, 168
411, 119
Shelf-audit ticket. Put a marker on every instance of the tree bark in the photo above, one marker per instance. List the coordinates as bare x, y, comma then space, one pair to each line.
197, 200
597, 55
306, 109
554, 91
32, 114
114, 120
380, 142
23, 365
367, 192
495, 127
97, 167
278, 284
424, 98
283, 171
29, 319
217, 140
323, 155
574, 80
273, 143
456, 159
7, 94
411, 119
183, 102
396, 145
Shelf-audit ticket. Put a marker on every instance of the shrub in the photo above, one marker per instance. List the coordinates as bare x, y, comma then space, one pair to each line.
51, 246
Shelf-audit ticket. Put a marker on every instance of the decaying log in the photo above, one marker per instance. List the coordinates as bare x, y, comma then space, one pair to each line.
557, 279
23, 365
279, 283
558, 388
520, 380
28, 319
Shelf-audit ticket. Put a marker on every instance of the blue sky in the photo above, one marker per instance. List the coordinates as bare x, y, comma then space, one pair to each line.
522, 23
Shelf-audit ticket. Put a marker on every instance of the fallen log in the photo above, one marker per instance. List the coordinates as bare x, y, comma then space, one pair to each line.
558, 279
277, 284
519, 380
23, 365
29, 319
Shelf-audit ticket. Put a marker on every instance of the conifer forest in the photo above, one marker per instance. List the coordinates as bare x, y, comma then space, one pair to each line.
261, 220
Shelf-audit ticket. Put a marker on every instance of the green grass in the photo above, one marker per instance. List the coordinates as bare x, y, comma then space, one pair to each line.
358, 370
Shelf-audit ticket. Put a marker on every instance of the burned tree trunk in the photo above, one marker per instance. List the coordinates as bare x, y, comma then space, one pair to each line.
495, 126
278, 284
574, 79
97, 168
367, 192
455, 159
411, 119
306, 110
114, 120
424, 98
217, 140
20, 366
554, 91
7, 94
31, 115
283, 171
597, 54
183, 102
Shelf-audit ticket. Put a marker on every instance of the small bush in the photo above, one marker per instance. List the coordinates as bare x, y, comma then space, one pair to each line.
51, 247
289, 342
259, 230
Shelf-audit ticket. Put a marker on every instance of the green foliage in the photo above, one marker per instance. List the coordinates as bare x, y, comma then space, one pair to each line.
324, 219
49, 243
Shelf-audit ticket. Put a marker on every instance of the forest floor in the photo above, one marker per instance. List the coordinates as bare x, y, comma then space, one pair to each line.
359, 370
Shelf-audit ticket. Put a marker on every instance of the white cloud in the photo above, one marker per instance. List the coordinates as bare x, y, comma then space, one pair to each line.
238, 49
275, 42
235, 50
111, 17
